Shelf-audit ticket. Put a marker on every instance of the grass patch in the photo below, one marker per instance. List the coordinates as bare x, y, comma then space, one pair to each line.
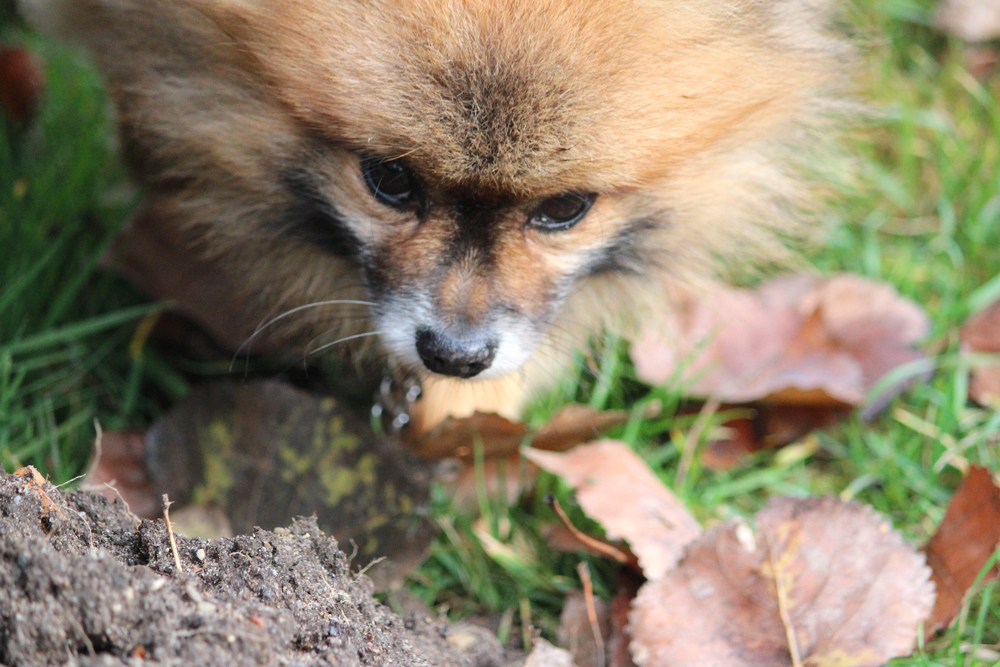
920, 211
65, 325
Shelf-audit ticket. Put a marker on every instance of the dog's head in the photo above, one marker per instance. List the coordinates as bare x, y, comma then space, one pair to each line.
463, 165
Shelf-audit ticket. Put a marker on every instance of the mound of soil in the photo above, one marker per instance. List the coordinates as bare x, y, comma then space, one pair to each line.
84, 582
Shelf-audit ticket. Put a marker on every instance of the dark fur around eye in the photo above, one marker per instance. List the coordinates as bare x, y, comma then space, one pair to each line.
562, 211
390, 182
315, 220
628, 251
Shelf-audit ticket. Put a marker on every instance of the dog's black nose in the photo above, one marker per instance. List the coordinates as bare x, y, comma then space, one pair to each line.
450, 356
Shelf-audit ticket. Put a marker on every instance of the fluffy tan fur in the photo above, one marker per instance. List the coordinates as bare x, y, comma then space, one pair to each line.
689, 115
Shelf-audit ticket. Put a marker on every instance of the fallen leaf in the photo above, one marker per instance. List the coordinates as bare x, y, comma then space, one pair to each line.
118, 470
968, 535
771, 426
795, 340
972, 20
22, 83
544, 654
739, 440
497, 435
576, 424
619, 491
981, 333
831, 581
501, 437
628, 584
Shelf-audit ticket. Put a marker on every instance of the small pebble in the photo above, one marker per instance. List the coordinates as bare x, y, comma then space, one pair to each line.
200, 555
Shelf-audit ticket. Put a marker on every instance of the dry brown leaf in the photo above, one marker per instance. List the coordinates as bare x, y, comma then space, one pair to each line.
501, 437
965, 540
972, 20
832, 579
981, 333
22, 83
118, 470
498, 436
795, 340
619, 491
771, 426
575, 424
627, 584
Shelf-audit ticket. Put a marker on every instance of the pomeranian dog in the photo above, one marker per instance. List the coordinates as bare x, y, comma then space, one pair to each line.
478, 185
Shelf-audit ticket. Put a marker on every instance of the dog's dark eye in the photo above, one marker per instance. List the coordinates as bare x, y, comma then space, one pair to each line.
390, 182
562, 211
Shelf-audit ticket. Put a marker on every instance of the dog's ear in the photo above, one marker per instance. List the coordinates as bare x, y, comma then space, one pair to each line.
188, 100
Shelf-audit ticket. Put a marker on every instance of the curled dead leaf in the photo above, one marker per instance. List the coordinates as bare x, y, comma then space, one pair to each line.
497, 435
965, 540
619, 491
794, 340
501, 437
981, 333
829, 582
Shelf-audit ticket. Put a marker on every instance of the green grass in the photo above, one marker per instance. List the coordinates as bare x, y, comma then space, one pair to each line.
65, 325
921, 212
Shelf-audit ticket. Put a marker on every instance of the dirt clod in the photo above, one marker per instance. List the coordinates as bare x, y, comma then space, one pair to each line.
92, 585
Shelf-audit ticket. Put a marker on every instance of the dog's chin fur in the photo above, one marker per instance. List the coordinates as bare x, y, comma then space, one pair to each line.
246, 120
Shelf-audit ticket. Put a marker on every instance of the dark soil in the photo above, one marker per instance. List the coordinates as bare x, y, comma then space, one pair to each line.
84, 582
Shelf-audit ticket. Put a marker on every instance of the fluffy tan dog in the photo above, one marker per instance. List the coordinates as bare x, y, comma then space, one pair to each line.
493, 180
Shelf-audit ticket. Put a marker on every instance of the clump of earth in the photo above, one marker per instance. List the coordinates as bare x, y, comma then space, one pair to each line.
84, 582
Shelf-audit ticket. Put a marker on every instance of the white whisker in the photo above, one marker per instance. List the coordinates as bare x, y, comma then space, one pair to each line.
344, 339
316, 304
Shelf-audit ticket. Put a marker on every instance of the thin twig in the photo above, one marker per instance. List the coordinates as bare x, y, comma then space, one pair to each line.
593, 543
68, 482
370, 565
170, 533
588, 595
111, 485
